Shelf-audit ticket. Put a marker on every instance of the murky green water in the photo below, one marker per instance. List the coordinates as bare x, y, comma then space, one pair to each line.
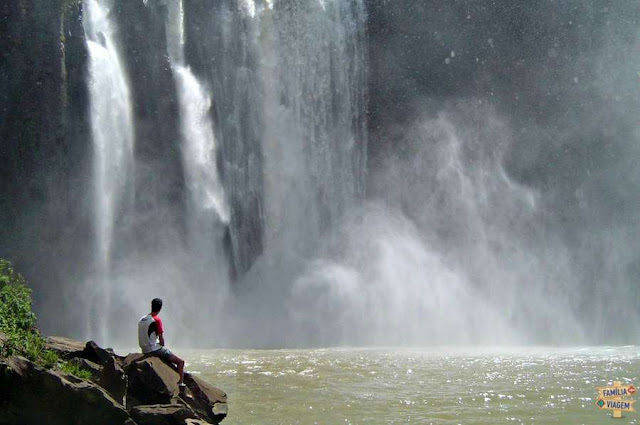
429, 386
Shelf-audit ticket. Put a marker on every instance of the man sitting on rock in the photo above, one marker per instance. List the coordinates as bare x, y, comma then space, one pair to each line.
151, 339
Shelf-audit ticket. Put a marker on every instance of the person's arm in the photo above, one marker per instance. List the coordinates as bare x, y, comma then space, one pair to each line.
160, 330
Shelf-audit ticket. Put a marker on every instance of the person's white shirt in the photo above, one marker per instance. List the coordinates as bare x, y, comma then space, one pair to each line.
149, 330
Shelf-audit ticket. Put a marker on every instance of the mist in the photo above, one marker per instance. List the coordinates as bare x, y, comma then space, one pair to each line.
331, 172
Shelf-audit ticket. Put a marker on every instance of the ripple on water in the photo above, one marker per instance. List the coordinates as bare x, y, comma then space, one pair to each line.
381, 386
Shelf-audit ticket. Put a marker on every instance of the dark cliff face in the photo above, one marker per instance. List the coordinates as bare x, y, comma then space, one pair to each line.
218, 48
43, 107
159, 177
44, 141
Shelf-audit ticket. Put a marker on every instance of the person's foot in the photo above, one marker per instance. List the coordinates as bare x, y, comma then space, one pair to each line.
183, 390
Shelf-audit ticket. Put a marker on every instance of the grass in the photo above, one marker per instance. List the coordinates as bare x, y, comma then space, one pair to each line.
74, 369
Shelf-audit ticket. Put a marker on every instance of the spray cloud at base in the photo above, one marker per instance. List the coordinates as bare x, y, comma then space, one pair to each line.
344, 172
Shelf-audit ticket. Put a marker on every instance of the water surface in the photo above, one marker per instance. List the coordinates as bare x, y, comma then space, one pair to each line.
537, 385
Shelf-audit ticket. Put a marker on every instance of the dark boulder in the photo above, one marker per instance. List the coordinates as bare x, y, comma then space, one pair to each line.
30, 394
151, 381
95, 353
162, 414
134, 390
114, 379
104, 365
207, 401
65, 347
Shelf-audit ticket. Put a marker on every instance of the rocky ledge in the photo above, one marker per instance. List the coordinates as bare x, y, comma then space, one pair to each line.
122, 390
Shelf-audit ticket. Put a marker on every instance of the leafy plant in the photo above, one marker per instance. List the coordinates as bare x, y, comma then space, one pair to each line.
8, 274
18, 322
74, 369
15, 308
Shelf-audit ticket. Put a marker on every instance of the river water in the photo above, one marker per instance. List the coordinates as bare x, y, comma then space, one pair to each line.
533, 385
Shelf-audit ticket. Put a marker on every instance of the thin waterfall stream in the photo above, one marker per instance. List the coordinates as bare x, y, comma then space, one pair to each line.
112, 130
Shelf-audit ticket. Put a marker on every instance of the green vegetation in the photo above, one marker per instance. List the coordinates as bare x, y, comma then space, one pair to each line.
17, 321
18, 333
74, 369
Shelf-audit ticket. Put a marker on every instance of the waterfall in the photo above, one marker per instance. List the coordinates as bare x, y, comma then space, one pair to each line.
112, 131
207, 210
199, 146
289, 80
290, 135
313, 74
380, 165
199, 149
292, 83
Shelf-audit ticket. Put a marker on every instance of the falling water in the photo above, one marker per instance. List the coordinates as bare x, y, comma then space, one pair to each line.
112, 131
199, 148
313, 74
291, 80
207, 210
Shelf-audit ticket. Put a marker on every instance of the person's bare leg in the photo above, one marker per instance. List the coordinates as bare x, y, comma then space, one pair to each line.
141, 358
180, 364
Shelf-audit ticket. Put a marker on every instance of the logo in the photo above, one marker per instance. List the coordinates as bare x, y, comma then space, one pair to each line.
616, 398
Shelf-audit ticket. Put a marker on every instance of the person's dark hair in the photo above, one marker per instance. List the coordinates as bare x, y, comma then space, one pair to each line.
156, 305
